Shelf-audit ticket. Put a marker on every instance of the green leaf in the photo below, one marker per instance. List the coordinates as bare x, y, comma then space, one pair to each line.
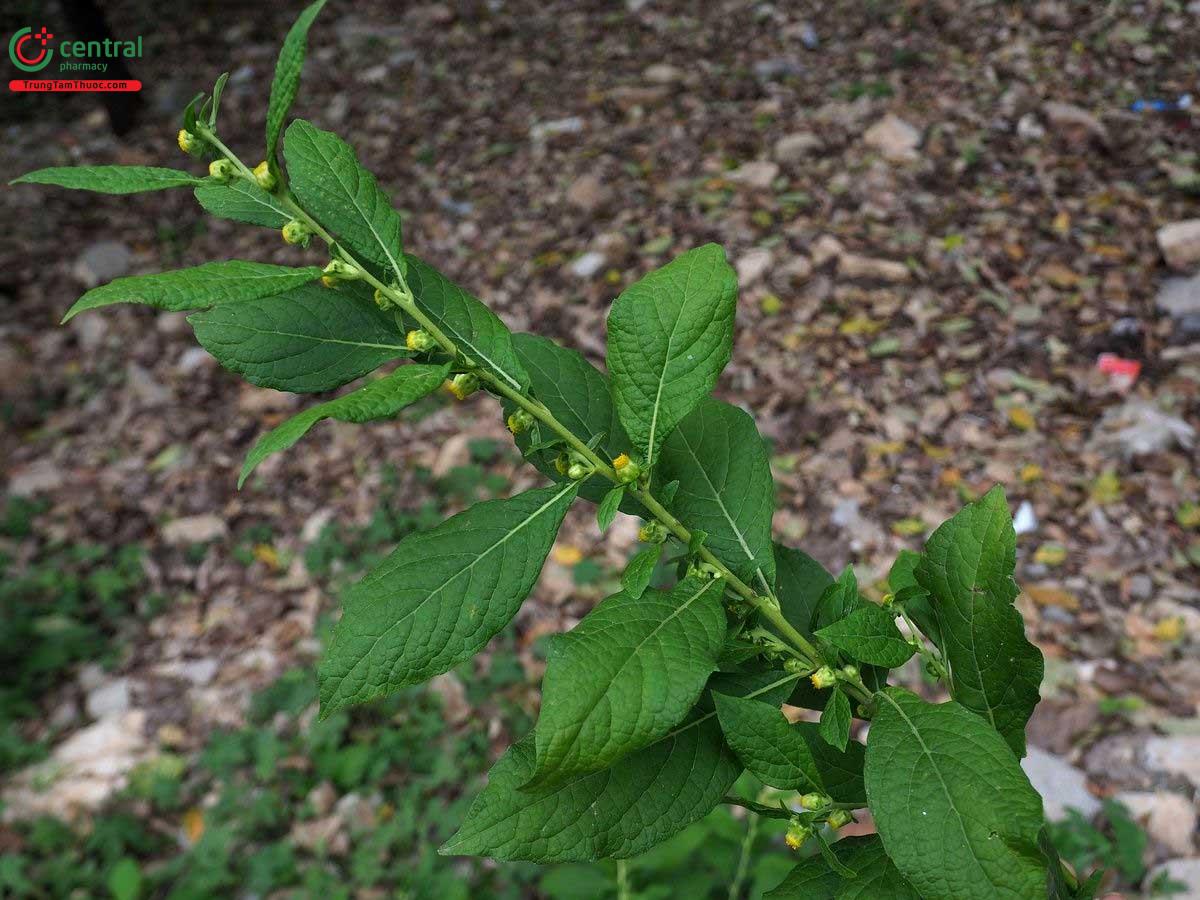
904, 571
725, 487
877, 877
838, 600
210, 284
787, 756
110, 179
799, 582
218, 90
125, 879
440, 596
619, 812
308, 340
625, 676
475, 329
380, 399
242, 201
344, 197
954, 810
607, 510
869, 634
835, 719
967, 569
287, 74
639, 570
911, 597
669, 337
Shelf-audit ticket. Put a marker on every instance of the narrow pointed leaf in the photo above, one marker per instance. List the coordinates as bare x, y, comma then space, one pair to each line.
619, 812
308, 340
607, 510
967, 569
210, 284
835, 719
869, 634
787, 756
955, 812
625, 676
338, 192
474, 329
242, 201
288, 68
639, 570
380, 399
111, 179
669, 337
725, 487
876, 876
440, 596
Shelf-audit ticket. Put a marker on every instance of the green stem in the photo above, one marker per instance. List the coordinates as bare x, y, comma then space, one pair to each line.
743, 866
622, 880
402, 296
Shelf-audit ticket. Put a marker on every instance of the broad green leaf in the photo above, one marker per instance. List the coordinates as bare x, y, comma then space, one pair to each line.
625, 676
787, 756
967, 569
799, 582
639, 570
838, 600
287, 74
869, 634
380, 399
619, 812
669, 337
474, 329
725, 487
954, 810
607, 510
904, 571
835, 719
308, 340
338, 192
440, 596
876, 876
210, 284
242, 201
111, 179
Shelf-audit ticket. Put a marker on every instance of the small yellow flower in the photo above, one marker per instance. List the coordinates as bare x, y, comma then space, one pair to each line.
627, 470
520, 421
621, 461
221, 170
419, 341
823, 678
262, 174
189, 143
463, 386
296, 232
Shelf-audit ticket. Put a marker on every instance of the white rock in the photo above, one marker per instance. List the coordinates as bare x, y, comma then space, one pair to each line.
1169, 818
101, 262
108, 699
825, 248
1179, 297
895, 139
588, 193
662, 73
757, 174
1180, 243
1183, 871
752, 266
792, 148
1179, 755
542, 130
795, 270
1029, 128
38, 477
1025, 521
194, 530
854, 266
588, 265
1061, 785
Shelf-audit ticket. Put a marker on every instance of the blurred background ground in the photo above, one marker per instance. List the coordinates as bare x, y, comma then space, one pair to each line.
942, 215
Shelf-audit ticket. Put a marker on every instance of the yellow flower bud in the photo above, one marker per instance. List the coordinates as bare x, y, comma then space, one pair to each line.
262, 174
329, 281
463, 386
627, 470
814, 801
419, 341
797, 834
221, 170
189, 143
822, 678
652, 533
520, 421
839, 818
296, 232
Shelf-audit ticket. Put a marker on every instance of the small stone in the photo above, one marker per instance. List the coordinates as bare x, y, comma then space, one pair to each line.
852, 265
588, 265
1061, 785
108, 699
662, 73
825, 248
777, 68
793, 148
758, 174
1073, 122
1180, 243
1178, 755
90, 330
752, 266
1169, 818
101, 262
1029, 128
796, 270
588, 193
194, 530
895, 139
38, 477
540, 131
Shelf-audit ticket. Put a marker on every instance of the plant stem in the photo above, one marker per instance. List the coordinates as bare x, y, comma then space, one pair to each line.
402, 296
735, 888
622, 880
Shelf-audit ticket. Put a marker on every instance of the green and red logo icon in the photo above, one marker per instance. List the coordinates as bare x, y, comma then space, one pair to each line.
28, 50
